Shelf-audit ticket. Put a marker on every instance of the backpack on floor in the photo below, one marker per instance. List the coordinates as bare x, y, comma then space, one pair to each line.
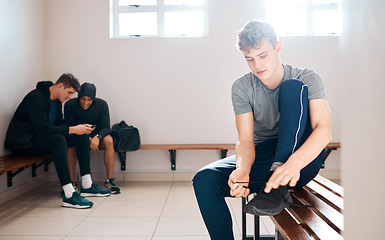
126, 138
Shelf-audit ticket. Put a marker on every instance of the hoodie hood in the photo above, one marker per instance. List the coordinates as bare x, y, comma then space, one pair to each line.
87, 89
44, 86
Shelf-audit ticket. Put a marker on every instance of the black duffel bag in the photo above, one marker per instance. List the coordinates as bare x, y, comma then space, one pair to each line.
126, 138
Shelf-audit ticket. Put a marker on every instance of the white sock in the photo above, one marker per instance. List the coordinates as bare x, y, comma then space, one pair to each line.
68, 190
86, 181
275, 165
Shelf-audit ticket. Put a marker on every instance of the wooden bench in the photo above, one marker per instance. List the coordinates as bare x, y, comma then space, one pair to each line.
223, 147
9, 163
325, 221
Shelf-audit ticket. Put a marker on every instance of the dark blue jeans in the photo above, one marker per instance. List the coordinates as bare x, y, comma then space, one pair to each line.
210, 182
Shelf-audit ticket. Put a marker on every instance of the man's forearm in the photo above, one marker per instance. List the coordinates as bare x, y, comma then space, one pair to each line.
312, 147
245, 152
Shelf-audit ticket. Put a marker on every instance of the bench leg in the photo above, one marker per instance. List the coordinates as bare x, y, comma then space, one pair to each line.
34, 166
256, 224
11, 174
278, 235
224, 153
122, 157
173, 159
34, 170
9, 179
256, 228
46, 164
326, 155
257, 232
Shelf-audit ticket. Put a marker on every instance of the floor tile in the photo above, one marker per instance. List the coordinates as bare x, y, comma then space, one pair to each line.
41, 226
140, 194
182, 226
31, 237
182, 184
116, 226
129, 208
181, 194
149, 184
109, 237
181, 238
181, 208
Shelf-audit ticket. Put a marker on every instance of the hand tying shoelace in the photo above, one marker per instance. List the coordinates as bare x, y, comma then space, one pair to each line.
270, 204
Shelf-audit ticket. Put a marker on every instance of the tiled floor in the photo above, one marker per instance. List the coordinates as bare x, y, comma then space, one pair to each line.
143, 211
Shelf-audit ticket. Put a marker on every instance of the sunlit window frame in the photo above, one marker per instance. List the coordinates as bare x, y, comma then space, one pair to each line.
311, 7
160, 9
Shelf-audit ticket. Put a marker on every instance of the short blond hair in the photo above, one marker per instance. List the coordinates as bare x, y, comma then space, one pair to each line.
254, 32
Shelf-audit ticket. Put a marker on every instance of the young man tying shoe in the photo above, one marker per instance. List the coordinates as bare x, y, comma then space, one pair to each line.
89, 109
38, 127
283, 123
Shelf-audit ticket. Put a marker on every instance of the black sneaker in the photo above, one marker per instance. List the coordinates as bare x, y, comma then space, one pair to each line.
110, 185
76, 201
94, 191
269, 204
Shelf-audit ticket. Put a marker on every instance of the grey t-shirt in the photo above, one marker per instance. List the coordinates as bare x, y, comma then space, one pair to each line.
249, 94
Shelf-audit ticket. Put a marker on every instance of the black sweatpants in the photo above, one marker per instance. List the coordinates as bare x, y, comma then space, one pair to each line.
57, 145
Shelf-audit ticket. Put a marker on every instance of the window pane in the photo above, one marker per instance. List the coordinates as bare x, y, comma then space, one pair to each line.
183, 2
326, 1
138, 23
137, 2
287, 17
183, 23
327, 22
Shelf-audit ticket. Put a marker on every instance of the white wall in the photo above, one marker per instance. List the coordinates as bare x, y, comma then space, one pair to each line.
178, 90
175, 90
363, 119
21, 60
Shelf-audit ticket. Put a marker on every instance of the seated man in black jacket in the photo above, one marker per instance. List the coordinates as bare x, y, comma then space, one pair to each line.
87, 109
38, 127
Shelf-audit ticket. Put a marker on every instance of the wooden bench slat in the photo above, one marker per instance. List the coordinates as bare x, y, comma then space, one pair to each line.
330, 215
334, 145
320, 228
204, 146
289, 227
330, 185
208, 146
327, 196
12, 162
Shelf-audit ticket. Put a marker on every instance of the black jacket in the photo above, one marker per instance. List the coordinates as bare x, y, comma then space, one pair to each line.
31, 119
97, 114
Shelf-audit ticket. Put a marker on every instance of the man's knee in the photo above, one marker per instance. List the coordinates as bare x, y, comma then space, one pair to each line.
108, 142
292, 90
292, 86
201, 180
205, 178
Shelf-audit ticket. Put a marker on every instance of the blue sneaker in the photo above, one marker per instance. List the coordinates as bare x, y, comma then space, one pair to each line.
94, 191
76, 201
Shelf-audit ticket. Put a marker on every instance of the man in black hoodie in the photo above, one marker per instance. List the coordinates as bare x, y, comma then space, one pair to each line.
89, 109
38, 127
